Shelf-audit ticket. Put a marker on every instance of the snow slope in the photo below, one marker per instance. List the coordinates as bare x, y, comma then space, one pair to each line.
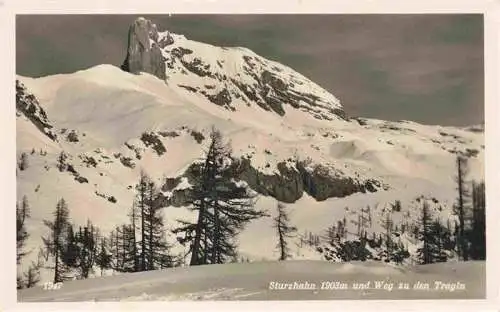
253, 281
109, 110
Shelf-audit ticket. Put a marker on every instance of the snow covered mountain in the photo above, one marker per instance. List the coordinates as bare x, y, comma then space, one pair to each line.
291, 139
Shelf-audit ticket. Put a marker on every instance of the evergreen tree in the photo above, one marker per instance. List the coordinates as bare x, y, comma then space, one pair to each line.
369, 216
438, 242
127, 249
115, 249
448, 241
284, 231
141, 204
399, 253
460, 208
341, 228
23, 161
55, 241
477, 235
32, 276
22, 213
70, 249
223, 208
158, 250
426, 236
86, 242
332, 235
133, 230
388, 226
61, 161
149, 250
104, 257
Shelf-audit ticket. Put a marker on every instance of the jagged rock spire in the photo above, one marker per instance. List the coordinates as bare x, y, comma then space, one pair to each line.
143, 52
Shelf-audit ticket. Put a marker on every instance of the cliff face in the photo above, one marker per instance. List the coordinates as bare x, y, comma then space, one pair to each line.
229, 77
143, 52
286, 186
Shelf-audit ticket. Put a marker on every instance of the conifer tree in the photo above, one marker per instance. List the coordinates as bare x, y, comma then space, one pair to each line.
55, 241
32, 276
127, 249
477, 235
22, 213
438, 242
86, 242
332, 235
341, 230
141, 203
284, 231
113, 249
133, 234
70, 249
23, 161
425, 235
104, 257
460, 208
61, 161
388, 226
223, 208
119, 244
158, 250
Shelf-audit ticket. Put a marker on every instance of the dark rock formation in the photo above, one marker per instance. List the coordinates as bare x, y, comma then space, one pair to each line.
143, 53
27, 104
150, 139
197, 136
288, 186
170, 184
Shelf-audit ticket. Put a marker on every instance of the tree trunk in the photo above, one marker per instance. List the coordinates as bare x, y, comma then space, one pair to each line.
197, 238
463, 243
143, 237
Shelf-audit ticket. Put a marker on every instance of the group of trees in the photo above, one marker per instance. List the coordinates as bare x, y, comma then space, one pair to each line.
137, 246
141, 245
23, 162
74, 250
468, 236
32, 276
438, 240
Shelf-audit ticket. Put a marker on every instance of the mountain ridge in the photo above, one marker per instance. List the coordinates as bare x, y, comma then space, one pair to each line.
227, 74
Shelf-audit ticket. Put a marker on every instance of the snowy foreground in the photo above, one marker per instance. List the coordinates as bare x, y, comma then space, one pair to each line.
254, 281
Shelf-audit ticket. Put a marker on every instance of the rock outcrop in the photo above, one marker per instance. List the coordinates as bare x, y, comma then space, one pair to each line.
27, 104
143, 52
288, 186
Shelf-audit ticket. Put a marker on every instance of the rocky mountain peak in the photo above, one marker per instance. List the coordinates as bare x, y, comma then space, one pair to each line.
143, 52
229, 77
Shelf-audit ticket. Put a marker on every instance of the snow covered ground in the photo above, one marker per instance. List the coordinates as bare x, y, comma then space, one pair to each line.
266, 280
